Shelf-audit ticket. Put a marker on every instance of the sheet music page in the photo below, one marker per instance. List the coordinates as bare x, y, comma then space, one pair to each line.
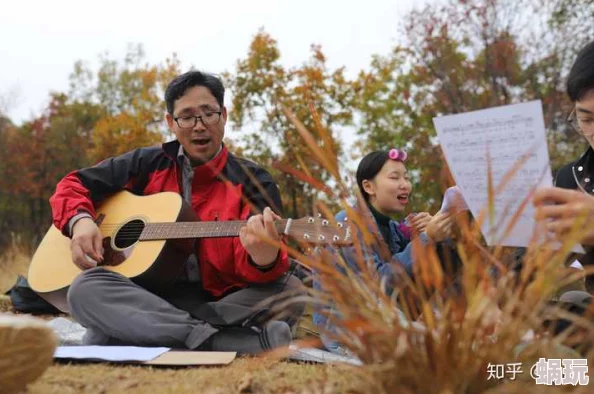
507, 133
110, 353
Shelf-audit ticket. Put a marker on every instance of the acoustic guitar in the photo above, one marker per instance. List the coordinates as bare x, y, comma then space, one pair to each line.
148, 239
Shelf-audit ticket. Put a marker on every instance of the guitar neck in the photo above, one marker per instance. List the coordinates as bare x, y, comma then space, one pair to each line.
160, 231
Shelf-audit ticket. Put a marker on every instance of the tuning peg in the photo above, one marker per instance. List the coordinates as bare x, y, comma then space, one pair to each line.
339, 224
324, 222
336, 238
306, 236
321, 237
310, 220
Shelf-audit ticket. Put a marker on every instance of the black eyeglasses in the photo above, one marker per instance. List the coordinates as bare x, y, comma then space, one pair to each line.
208, 119
582, 126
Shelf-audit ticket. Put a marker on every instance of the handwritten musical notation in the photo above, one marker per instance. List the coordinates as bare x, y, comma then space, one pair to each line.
514, 139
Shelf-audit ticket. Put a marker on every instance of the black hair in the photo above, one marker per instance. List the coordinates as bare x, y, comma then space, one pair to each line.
180, 84
369, 167
581, 76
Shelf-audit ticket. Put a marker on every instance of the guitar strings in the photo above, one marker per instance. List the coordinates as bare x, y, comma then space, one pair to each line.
134, 231
138, 236
178, 224
204, 228
209, 228
154, 226
209, 223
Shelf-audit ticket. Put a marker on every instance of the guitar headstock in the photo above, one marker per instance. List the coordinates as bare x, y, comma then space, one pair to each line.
317, 230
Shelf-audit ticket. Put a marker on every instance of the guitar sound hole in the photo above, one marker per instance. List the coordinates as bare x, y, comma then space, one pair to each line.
128, 234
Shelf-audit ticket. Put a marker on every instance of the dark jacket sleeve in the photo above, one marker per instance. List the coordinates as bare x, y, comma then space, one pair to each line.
264, 193
565, 178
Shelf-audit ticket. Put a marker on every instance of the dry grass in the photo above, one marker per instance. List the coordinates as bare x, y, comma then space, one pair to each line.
244, 375
468, 317
13, 262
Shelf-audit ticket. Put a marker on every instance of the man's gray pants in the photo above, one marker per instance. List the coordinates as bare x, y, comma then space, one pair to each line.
117, 311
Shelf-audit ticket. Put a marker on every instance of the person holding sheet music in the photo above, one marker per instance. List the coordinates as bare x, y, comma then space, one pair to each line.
579, 174
561, 208
213, 304
385, 186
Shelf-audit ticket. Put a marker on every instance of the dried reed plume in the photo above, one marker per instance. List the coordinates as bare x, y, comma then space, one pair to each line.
439, 332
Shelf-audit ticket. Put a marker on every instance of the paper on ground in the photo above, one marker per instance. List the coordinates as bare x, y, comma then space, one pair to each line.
320, 356
110, 353
507, 134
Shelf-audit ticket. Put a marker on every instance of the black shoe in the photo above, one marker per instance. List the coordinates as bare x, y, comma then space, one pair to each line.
251, 340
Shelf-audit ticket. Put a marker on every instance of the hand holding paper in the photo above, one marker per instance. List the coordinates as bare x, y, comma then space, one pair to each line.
564, 211
453, 201
418, 221
506, 145
441, 226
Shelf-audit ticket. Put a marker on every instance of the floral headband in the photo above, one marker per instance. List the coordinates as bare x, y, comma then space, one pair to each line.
397, 154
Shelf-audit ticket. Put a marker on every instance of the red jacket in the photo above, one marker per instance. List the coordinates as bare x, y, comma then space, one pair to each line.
217, 190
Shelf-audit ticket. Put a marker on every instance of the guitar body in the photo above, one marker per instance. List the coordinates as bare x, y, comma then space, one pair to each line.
153, 264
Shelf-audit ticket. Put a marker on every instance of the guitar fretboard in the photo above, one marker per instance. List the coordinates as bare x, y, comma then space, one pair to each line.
157, 231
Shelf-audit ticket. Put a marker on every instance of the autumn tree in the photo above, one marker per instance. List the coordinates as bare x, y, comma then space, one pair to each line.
116, 109
319, 97
568, 29
131, 94
7, 129
35, 156
461, 56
